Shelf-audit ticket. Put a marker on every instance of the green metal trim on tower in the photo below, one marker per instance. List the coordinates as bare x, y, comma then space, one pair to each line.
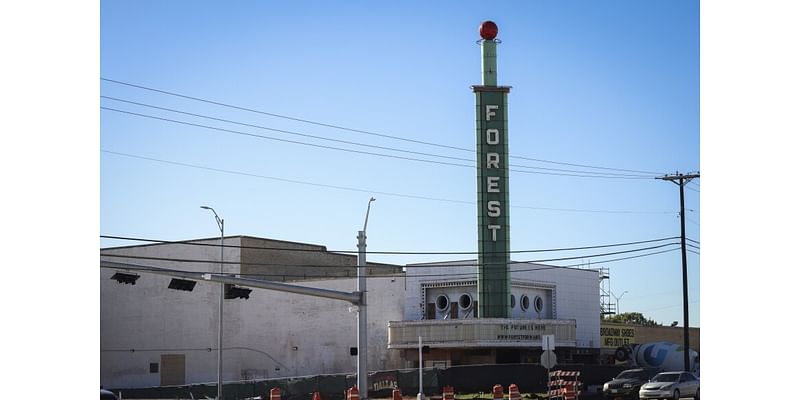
491, 123
489, 63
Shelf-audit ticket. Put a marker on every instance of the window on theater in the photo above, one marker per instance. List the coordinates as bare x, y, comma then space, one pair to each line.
430, 311
538, 304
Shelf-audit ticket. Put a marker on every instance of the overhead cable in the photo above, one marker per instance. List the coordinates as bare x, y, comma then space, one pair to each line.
472, 166
466, 275
194, 243
372, 192
375, 265
355, 143
358, 130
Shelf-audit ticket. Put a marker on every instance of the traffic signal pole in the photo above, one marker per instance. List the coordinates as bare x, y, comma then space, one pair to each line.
681, 180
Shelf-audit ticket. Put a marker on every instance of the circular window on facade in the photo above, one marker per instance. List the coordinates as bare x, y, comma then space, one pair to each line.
538, 304
465, 301
442, 302
513, 301
524, 302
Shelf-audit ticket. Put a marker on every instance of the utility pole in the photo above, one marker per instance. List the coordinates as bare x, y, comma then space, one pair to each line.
362, 307
681, 180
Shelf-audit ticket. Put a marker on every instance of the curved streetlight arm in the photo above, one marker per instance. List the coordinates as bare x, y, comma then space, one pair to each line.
620, 296
220, 221
371, 199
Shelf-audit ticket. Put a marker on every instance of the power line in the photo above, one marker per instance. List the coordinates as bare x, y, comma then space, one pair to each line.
355, 143
466, 275
604, 254
354, 151
281, 140
692, 240
611, 260
373, 192
672, 306
358, 130
445, 265
192, 243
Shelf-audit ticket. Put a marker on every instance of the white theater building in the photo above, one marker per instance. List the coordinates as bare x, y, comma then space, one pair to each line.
154, 335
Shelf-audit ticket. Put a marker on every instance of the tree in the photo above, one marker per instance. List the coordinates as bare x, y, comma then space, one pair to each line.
633, 318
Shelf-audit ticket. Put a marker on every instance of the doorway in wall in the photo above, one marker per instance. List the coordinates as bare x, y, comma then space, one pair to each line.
507, 356
173, 369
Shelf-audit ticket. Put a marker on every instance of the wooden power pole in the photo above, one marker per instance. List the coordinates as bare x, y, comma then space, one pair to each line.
681, 180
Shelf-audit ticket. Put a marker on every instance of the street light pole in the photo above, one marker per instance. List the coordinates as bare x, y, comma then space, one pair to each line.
221, 225
361, 368
617, 299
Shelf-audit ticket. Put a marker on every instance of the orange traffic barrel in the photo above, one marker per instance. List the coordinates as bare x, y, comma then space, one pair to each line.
448, 393
497, 392
513, 392
275, 394
352, 393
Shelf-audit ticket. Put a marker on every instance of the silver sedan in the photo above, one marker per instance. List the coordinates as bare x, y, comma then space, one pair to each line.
671, 385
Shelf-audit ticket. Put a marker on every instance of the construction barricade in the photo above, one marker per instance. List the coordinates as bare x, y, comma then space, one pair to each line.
352, 393
513, 392
396, 395
497, 392
564, 385
275, 394
448, 393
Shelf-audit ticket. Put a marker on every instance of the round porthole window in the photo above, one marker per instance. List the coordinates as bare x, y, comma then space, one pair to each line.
538, 304
524, 302
465, 301
442, 302
513, 301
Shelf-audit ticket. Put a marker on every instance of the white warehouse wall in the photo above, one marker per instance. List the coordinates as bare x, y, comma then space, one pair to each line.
153, 320
260, 333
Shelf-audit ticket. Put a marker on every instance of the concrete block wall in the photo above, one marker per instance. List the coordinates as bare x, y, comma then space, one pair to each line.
271, 334
151, 319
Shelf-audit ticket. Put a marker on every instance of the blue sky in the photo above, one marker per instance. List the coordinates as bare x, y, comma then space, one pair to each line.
612, 84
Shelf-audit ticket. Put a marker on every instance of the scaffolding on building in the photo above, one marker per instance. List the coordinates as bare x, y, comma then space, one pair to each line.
607, 305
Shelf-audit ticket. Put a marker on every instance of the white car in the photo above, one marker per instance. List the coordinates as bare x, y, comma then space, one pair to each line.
671, 385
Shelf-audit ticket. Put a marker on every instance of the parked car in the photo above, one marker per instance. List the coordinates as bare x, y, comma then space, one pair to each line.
671, 385
626, 385
107, 395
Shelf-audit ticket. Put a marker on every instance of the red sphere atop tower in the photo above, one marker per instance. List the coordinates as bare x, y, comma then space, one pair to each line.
488, 30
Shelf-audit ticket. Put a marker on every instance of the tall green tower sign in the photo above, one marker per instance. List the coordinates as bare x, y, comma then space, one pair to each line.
491, 109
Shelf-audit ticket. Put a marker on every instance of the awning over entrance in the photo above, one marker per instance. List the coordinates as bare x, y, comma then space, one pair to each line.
480, 333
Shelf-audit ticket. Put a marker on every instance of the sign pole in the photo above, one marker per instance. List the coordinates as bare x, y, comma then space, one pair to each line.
549, 363
420, 395
548, 357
